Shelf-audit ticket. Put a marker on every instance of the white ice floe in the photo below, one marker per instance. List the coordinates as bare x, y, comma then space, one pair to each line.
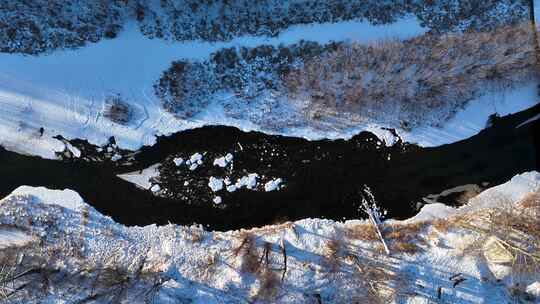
231, 188
272, 185
220, 162
116, 157
155, 188
142, 178
196, 158
216, 184
223, 161
194, 161
76, 152
217, 200
178, 161
249, 181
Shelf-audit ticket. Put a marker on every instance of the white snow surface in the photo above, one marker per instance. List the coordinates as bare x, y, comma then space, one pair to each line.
12, 237
473, 118
182, 253
67, 198
64, 91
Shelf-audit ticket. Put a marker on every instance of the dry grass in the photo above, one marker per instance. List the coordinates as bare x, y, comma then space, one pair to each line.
376, 283
442, 225
209, 265
513, 228
248, 253
333, 252
413, 77
269, 286
196, 234
117, 110
531, 201
362, 232
259, 264
404, 238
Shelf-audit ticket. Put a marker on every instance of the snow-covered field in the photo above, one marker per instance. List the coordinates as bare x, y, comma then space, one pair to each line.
187, 264
64, 92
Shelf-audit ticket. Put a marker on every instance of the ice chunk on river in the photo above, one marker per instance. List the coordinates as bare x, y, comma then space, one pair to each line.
272, 185
223, 161
215, 184
178, 161
155, 188
195, 158
249, 181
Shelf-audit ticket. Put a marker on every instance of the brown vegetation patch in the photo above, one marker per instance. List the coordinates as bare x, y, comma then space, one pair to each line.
428, 72
363, 232
117, 110
405, 238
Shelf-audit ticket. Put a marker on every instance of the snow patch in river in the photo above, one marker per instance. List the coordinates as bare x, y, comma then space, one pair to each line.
65, 91
143, 177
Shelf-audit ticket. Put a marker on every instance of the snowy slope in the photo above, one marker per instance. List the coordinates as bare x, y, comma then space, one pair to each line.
196, 266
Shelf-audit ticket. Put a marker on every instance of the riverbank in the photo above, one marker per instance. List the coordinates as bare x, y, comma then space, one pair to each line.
58, 242
321, 178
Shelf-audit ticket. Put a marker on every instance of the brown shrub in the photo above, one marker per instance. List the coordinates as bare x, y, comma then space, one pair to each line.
531, 200
248, 253
269, 287
117, 110
442, 225
363, 232
413, 77
404, 237
196, 234
333, 251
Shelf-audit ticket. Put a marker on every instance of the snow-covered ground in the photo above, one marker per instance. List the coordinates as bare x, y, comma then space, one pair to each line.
198, 266
64, 92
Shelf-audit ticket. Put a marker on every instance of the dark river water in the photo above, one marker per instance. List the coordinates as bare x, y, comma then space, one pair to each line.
322, 178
